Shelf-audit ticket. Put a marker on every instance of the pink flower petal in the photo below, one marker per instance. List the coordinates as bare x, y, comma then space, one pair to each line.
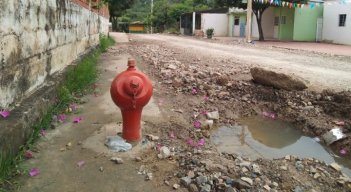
189, 141
201, 142
194, 91
77, 119
343, 152
269, 115
197, 124
34, 172
5, 114
28, 154
171, 135
61, 117
42, 132
206, 98
80, 163
73, 106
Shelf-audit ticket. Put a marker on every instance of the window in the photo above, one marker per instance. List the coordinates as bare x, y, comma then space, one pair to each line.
236, 20
342, 20
276, 21
283, 20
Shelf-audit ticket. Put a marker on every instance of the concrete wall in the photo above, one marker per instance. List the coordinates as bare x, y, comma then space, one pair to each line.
331, 30
39, 38
286, 31
267, 24
217, 21
305, 23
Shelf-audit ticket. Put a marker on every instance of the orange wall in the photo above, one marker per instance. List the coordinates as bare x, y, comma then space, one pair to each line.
85, 3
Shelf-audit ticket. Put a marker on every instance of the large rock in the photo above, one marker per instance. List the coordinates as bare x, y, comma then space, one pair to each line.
276, 80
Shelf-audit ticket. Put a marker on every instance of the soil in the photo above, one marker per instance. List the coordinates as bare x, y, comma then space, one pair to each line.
192, 77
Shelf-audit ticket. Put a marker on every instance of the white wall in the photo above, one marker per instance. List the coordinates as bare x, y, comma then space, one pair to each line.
331, 30
217, 21
267, 24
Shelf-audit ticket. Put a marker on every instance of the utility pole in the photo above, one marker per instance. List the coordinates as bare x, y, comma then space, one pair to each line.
152, 10
248, 19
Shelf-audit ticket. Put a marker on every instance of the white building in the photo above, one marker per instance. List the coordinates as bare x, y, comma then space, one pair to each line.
337, 22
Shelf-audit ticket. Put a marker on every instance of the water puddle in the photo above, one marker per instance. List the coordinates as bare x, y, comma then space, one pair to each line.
266, 138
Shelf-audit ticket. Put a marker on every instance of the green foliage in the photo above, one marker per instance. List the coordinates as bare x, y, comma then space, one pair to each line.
209, 32
176, 10
77, 80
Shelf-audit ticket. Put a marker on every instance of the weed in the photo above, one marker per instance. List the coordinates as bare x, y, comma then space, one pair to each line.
76, 82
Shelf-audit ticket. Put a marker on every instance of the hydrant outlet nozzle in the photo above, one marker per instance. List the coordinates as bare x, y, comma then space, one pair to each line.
131, 64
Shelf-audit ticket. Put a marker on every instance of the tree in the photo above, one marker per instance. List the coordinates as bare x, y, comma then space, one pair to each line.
258, 9
116, 9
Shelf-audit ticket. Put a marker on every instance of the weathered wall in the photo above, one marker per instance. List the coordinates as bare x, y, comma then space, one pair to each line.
39, 38
267, 24
332, 32
217, 21
305, 23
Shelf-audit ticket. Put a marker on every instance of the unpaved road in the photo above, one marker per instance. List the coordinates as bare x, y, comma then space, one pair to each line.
321, 72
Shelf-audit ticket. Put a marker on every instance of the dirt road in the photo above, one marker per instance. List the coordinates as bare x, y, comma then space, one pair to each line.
319, 71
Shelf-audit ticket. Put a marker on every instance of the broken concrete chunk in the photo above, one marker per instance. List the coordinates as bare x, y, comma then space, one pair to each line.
117, 160
247, 180
153, 137
335, 166
164, 152
213, 115
276, 80
333, 135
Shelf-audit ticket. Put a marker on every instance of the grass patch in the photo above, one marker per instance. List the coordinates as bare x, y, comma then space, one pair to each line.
76, 83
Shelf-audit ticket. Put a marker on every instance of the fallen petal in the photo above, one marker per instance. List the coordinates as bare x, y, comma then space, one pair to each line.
61, 117
28, 154
80, 163
77, 119
194, 91
201, 142
189, 141
34, 172
197, 124
42, 132
343, 152
73, 106
5, 114
171, 135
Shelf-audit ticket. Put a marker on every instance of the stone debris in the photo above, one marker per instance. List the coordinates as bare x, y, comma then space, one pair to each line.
277, 80
164, 152
176, 186
335, 166
117, 160
213, 115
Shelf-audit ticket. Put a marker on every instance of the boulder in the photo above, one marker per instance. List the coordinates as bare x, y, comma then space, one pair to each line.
276, 80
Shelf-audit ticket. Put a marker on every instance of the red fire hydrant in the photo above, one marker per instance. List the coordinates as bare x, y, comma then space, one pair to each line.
131, 90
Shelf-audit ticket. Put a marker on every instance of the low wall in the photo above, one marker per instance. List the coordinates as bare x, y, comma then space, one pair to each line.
40, 38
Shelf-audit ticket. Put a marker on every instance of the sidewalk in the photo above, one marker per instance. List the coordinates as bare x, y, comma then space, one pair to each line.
62, 148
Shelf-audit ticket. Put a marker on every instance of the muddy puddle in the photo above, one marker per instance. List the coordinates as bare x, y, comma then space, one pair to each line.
259, 137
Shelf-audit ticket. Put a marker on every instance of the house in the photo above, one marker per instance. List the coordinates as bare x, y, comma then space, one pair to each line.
136, 27
237, 22
337, 22
291, 24
195, 22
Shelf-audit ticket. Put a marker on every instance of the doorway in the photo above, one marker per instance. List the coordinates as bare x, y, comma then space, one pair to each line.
236, 28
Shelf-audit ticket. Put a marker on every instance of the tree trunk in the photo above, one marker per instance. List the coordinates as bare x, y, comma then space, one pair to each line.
259, 23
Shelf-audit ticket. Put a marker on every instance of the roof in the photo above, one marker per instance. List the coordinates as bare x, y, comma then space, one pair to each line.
217, 10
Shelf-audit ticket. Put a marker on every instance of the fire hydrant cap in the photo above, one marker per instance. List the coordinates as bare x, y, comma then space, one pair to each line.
133, 85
